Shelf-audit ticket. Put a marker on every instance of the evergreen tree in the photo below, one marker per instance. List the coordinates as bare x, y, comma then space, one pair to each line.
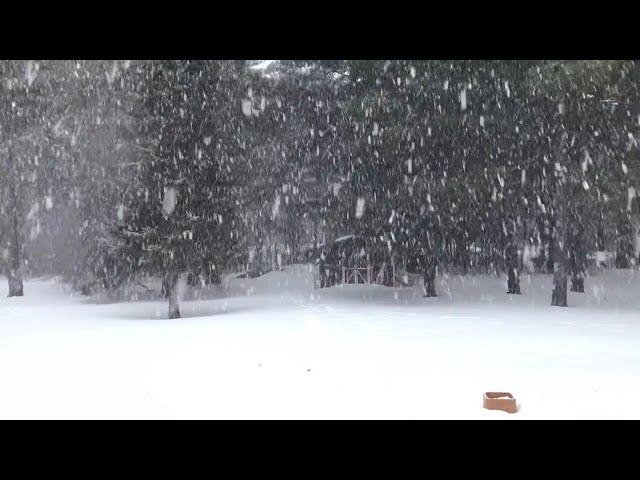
181, 216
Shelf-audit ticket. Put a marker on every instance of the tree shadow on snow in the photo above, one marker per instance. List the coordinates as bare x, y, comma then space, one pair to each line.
159, 311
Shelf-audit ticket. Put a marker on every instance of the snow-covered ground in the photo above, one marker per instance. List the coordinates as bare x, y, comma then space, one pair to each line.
273, 347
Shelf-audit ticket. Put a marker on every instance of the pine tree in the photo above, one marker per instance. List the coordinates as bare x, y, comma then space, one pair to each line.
181, 216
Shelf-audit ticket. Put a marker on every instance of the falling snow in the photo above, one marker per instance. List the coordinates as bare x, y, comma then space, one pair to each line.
262, 193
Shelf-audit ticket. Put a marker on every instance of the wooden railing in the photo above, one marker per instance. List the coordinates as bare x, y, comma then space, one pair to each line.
335, 274
356, 275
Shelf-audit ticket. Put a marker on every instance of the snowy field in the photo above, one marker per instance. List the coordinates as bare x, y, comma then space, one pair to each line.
343, 352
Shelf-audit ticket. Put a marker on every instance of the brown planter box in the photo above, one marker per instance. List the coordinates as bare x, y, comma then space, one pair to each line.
500, 401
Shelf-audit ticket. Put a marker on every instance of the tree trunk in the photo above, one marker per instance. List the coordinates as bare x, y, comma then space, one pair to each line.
625, 244
577, 282
15, 285
172, 292
577, 262
550, 249
513, 273
16, 288
165, 287
559, 232
14, 277
430, 279
559, 296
